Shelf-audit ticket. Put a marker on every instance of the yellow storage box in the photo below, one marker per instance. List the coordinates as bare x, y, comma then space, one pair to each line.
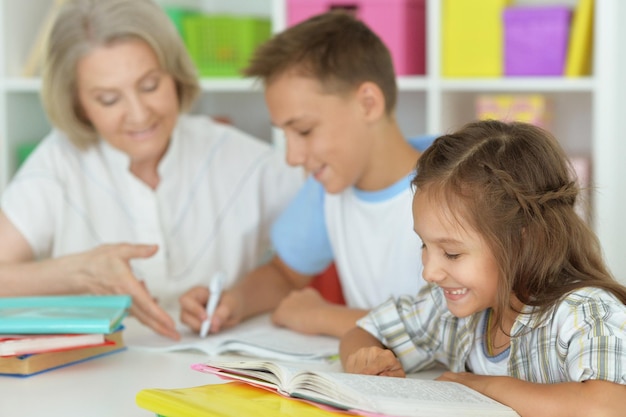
472, 38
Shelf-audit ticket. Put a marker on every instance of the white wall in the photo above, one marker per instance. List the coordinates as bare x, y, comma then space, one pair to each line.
610, 146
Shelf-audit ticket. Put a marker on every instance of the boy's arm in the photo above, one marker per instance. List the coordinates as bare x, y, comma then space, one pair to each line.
258, 292
266, 286
567, 399
306, 311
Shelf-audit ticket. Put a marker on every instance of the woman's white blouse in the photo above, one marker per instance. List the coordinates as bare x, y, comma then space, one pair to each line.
219, 192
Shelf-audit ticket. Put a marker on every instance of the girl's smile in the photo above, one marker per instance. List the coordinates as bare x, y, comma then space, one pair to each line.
454, 294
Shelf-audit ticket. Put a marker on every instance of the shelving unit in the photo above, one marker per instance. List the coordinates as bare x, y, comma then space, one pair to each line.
587, 111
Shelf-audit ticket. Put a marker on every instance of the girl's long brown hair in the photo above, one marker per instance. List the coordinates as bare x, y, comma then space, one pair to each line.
513, 183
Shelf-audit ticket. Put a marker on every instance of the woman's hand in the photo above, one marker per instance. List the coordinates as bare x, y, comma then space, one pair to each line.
103, 270
107, 270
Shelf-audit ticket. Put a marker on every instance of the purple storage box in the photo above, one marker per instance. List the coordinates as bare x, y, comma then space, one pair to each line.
536, 40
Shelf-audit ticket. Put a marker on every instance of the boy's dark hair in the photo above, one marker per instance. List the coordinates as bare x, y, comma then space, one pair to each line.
514, 185
335, 48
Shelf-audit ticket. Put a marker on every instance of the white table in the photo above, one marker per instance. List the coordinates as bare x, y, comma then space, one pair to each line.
107, 386
104, 386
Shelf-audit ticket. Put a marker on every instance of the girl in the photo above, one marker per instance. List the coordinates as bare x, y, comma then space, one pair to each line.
518, 293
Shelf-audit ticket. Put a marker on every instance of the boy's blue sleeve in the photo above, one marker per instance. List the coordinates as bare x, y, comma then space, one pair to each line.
299, 235
422, 142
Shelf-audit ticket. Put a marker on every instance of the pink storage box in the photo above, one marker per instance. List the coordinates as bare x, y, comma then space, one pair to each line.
536, 40
399, 23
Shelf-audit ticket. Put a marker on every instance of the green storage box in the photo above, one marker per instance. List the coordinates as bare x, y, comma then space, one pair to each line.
177, 15
222, 45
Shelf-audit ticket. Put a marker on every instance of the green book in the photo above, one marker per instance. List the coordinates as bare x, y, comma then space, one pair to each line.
62, 314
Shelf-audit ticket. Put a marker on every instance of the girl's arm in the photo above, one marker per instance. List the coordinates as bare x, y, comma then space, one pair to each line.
568, 399
362, 353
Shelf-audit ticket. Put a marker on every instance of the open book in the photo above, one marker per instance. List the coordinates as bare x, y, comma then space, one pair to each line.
360, 394
256, 337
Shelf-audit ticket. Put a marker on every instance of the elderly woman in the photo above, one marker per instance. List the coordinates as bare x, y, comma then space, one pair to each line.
128, 193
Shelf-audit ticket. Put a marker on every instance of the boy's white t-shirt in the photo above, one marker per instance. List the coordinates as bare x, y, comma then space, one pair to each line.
369, 236
219, 193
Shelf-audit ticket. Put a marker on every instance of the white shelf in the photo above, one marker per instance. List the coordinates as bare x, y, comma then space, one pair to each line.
21, 85
231, 85
588, 115
413, 83
520, 84
25, 85
405, 83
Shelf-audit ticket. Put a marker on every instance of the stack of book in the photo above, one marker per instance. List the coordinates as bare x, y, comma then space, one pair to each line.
39, 334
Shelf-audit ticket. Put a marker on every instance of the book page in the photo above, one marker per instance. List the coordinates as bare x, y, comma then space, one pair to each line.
282, 373
275, 375
256, 337
397, 396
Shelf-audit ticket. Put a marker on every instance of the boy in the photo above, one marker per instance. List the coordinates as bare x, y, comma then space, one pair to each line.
330, 85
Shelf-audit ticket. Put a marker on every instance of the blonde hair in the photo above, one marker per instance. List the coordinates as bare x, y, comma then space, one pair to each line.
514, 185
83, 25
336, 49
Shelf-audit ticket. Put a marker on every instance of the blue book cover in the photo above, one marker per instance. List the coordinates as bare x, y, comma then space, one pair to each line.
62, 314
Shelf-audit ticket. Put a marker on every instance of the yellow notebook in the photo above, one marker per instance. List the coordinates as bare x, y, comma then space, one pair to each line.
234, 399
578, 61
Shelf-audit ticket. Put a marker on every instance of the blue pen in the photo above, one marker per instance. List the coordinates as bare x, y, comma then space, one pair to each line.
216, 286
